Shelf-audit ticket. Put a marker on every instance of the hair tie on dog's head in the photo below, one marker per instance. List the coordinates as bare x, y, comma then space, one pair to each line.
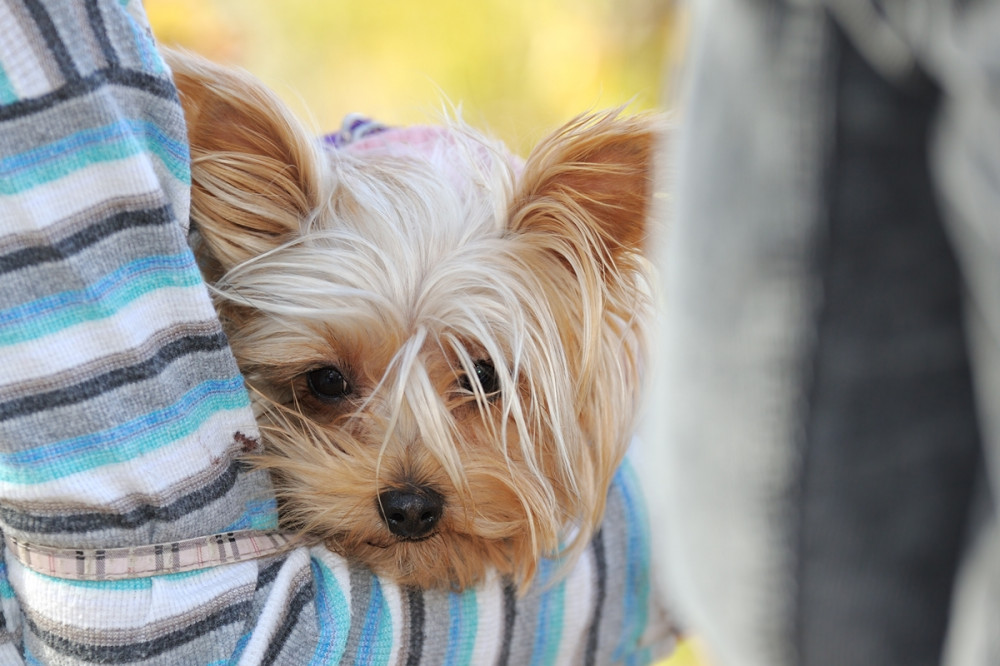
354, 128
449, 149
360, 134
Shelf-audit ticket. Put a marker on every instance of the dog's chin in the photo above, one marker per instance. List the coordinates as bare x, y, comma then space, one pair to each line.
439, 560
390, 544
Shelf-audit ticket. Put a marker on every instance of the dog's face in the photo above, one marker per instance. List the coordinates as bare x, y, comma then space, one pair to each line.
442, 344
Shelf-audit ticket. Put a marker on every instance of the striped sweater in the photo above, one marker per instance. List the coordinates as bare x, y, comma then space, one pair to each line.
123, 416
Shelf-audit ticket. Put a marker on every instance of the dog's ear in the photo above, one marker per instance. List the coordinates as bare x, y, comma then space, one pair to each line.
254, 169
581, 216
591, 181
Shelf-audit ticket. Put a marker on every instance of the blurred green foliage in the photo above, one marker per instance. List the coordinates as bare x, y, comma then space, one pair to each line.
515, 67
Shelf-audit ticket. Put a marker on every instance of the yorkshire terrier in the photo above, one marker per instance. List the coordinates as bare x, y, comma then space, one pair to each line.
443, 343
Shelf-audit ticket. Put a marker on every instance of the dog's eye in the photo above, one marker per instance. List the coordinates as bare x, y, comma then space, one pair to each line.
486, 377
327, 383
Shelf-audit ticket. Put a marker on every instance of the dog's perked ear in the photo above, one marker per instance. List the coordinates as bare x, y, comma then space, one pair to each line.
591, 180
578, 222
254, 169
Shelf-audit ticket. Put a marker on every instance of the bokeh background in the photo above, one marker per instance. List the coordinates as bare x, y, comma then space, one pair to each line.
516, 68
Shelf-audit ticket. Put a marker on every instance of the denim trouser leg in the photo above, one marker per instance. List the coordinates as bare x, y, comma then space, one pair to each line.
891, 445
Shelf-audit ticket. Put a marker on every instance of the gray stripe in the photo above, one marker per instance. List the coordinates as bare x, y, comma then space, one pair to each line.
156, 85
120, 28
269, 570
414, 626
122, 404
119, 377
49, 32
250, 487
222, 629
100, 366
590, 647
135, 502
294, 639
99, 31
83, 48
40, 55
17, 522
436, 624
360, 593
238, 597
60, 231
86, 109
522, 640
509, 618
301, 630
114, 222
91, 263
615, 546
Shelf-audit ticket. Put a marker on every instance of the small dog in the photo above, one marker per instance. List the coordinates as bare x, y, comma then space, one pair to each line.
443, 343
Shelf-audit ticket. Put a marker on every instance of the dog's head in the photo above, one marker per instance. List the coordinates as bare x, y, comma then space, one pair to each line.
443, 344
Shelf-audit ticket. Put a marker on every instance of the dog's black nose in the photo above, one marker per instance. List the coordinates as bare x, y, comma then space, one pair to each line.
410, 513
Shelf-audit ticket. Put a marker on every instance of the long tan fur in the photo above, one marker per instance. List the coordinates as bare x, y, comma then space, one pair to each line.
409, 271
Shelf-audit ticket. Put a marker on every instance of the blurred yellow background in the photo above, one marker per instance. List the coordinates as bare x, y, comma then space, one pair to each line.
517, 68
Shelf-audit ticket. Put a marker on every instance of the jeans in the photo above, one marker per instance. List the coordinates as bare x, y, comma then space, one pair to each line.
825, 428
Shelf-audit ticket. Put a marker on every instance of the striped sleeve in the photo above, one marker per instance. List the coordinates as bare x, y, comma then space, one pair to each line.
123, 416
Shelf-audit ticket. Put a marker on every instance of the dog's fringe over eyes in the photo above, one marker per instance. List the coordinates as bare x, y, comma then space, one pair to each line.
484, 319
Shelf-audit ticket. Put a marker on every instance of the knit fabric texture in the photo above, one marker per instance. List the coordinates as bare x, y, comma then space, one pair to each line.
123, 414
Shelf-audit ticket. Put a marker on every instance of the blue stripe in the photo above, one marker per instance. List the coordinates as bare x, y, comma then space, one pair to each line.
102, 288
637, 561
29, 658
6, 591
7, 94
640, 657
463, 612
333, 614
99, 300
375, 642
127, 441
241, 645
148, 54
454, 630
126, 584
122, 129
76, 151
549, 626
258, 515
